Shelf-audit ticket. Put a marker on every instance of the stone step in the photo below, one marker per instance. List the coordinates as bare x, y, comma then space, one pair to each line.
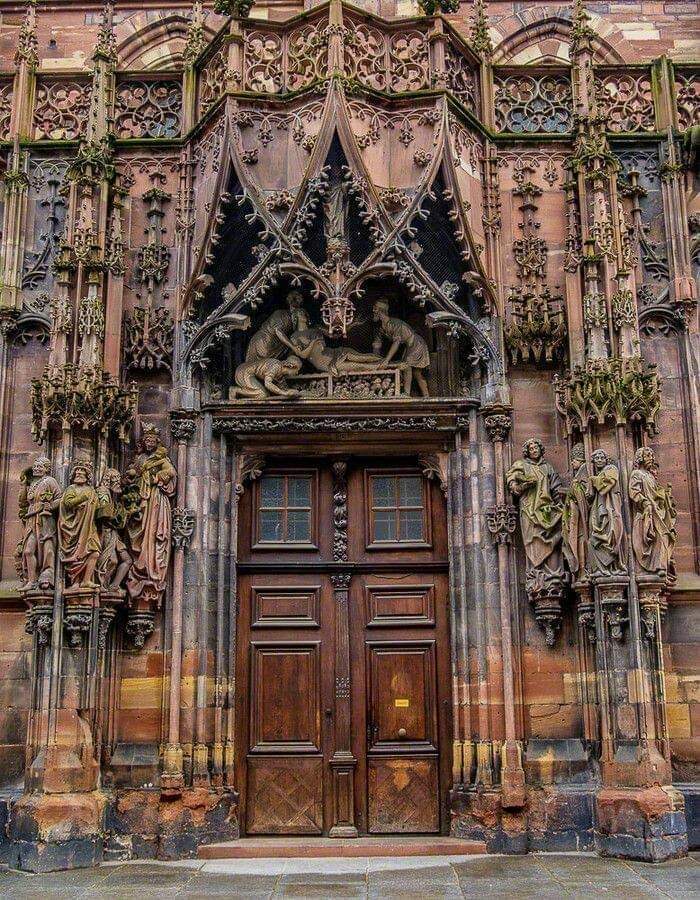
311, 847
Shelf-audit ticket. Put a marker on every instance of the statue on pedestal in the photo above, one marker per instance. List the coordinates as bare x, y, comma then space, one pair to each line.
654, 525
77, 527
605, 525
38, 503
416, 356
153, 480
114, 560
575, 514
540, 491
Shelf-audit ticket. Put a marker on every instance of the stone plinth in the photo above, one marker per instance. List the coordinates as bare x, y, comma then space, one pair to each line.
647, 824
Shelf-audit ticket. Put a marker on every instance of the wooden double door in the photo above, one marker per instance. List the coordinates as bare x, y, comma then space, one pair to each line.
343, 669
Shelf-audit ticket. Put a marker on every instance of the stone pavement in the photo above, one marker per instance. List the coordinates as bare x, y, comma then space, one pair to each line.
426, 878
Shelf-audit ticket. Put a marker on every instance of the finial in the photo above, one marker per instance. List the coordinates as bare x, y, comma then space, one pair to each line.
581, 31
239, 9
27, 45
481, 39
106, 46
433, 7
195, 34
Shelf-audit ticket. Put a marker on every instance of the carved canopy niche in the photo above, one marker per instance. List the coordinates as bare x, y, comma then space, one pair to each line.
316, 219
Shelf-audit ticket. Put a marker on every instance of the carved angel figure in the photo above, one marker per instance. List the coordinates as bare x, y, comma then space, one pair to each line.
77, 526
605, 525
575, 514
540, 491
114, 560
416, 356
154, 479
653, 528
38, 502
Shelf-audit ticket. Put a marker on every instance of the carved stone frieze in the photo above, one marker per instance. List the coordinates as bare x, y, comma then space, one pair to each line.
330, 423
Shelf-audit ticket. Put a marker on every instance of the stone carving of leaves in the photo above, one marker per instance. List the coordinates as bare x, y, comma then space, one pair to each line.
61, 110
409, 61
688, 98
628, 101
148, 109
528, 104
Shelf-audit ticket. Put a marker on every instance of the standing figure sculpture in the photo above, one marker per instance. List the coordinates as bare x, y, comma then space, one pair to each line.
654, 525
575, 515
416, 356
540, 491
114, 561
153, 478
38, 503
79, 540
605, 525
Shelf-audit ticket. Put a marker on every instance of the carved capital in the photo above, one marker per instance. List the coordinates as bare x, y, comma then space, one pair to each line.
497, 427
139, 626
341, 581
501, 521
184, 521
183, 429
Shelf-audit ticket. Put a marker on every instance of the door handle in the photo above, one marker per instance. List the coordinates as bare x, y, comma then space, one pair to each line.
402, 733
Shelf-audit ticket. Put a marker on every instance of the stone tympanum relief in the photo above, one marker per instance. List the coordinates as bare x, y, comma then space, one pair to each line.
287, 345
38, 505
653, 526
151, 482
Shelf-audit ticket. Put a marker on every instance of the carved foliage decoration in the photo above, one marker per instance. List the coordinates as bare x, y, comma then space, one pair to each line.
461, 78
212, 79
61, 109
151, 109
529, 104
687, 97
148, 339
6, 87
46, 217
627, 100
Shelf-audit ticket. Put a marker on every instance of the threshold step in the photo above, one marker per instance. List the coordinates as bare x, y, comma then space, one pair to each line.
318, 847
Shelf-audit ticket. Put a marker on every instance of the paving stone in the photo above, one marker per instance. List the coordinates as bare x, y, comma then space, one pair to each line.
249, 886
320, 885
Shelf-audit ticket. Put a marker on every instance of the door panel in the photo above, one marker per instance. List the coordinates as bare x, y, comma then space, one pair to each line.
403, 796
402, 715
287, 796
285, 710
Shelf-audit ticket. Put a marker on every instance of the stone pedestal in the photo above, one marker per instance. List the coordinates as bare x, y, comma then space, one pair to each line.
57, 831
647, 824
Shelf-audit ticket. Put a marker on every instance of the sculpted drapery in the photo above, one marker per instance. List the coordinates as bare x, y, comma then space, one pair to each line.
77, 527
575, 514
153, 480
606, 527
38, 503
653, 528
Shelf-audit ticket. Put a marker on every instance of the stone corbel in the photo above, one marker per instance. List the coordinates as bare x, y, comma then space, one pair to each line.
250, 468
615, 609
434, 467
184, 521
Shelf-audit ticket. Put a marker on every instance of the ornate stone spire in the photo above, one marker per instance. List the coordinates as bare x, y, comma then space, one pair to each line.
239, 9
195, 34
27, 45
481, 39
581, 31
106, 47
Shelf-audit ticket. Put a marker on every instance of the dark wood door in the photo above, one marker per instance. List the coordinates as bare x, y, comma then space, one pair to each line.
293, 705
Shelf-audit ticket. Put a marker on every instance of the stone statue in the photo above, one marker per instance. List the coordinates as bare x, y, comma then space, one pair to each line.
38, 502
154, 479
310, 344
605, 525
79, 540
575, 514
259, 379
653, 528
114, 560
416, 357
265, 344
540, 492
335, 214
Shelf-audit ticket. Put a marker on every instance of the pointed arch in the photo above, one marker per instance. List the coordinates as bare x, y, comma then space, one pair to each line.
156, 39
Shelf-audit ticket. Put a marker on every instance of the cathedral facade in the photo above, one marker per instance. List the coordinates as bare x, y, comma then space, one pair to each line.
350, 428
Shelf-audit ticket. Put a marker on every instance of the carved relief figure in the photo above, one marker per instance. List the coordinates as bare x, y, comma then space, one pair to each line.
77, 527
310, 344
575, 515
653, 528
540, 491
114, 561
416, 356
265, 344
259, 379
38, 503
605, 525
150, 525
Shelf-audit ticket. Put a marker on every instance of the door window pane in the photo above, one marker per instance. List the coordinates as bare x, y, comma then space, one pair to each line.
398, 508
284, 516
